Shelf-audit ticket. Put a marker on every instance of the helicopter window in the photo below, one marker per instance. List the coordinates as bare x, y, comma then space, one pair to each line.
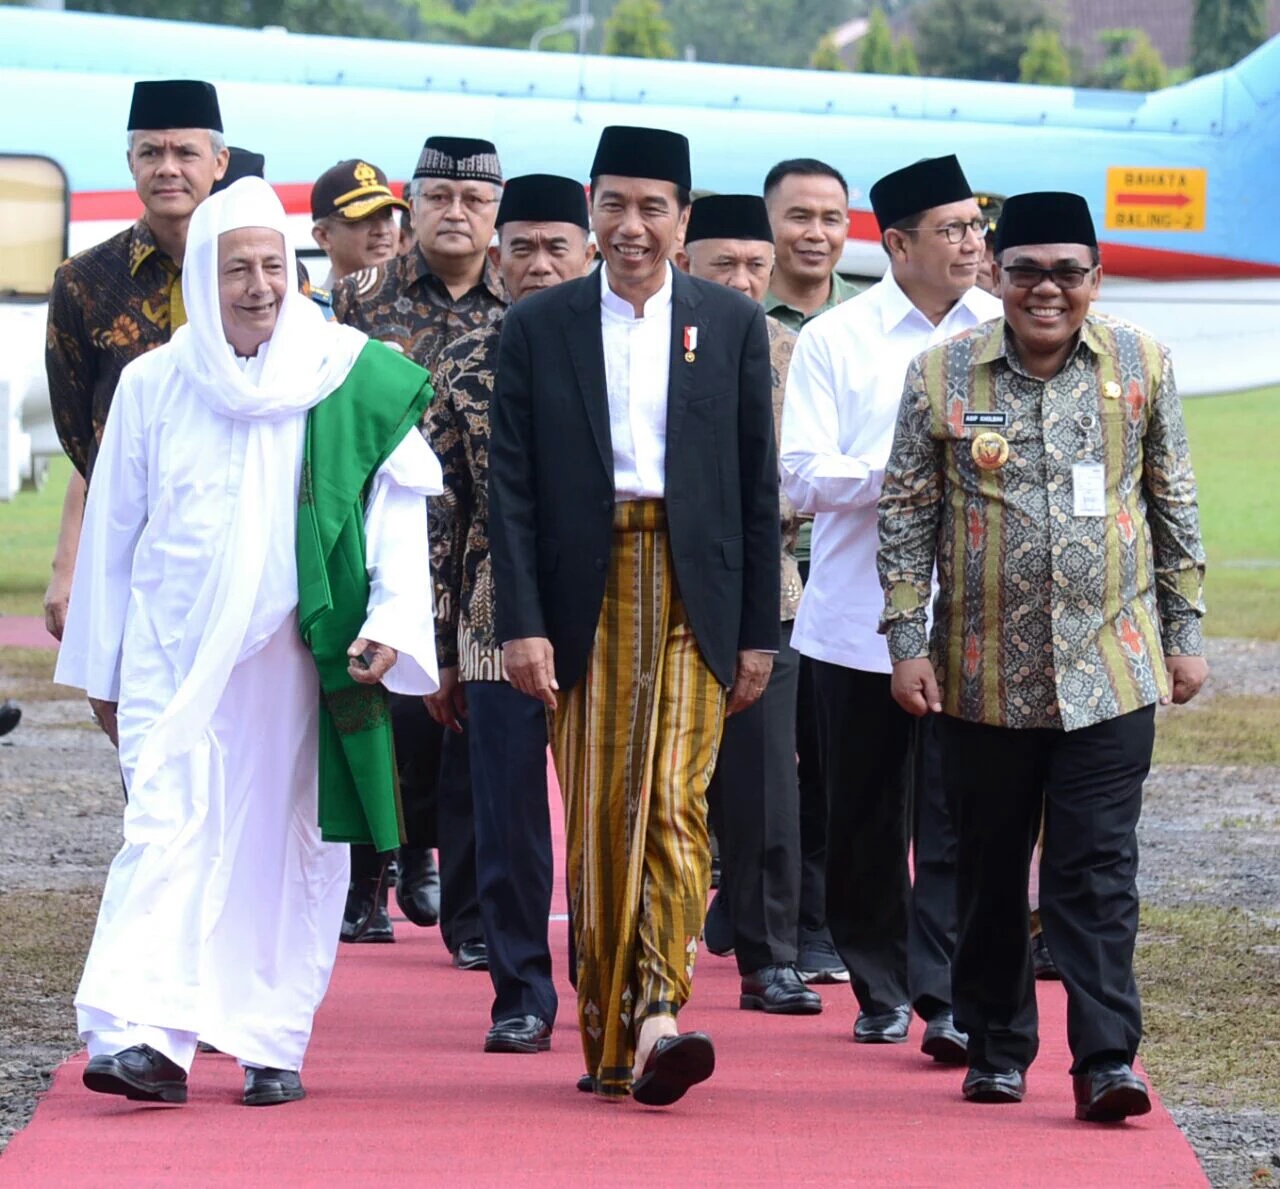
34, 212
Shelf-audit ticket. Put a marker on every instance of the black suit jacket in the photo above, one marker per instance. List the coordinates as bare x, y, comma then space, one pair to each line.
551, 473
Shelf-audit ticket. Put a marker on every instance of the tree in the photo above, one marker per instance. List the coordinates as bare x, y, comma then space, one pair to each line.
876, 51
1046, 61
757, 32
982, 39
1145, 69
637, 29
907, 62
1224, 31
827, 56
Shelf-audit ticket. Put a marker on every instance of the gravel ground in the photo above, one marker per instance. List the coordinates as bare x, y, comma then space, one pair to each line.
1210, 836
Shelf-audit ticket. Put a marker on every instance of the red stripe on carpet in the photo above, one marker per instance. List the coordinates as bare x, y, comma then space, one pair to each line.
401, 1093
24, 631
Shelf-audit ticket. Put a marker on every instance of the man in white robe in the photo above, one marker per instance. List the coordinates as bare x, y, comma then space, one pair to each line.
220, 916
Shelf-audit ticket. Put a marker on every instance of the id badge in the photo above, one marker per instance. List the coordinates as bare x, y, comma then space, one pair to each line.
1089, 489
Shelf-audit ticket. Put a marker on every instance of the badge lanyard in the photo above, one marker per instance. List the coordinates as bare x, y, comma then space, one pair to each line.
1089, 476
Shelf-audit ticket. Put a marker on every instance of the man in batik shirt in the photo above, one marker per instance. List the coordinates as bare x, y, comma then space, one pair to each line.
122, 298
1041, 462
543, 240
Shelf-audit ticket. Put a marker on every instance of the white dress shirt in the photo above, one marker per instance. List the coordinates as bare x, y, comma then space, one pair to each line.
843, 392
637, 365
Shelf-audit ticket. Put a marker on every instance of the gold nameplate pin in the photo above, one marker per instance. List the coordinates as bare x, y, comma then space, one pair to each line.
1111, 390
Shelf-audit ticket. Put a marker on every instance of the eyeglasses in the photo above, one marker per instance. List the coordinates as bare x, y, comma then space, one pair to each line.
955, 232
475, 203
1028, 276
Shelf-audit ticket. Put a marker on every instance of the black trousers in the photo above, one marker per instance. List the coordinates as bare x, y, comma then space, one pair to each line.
1088, 784
754, 802
514, 864
813, 802
931, 924
866, 741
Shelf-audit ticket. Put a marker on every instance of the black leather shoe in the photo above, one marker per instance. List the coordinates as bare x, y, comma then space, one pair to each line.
418, 888
1109, 1092
519, 1034
10, 716
270, 1087
943, 1041
586, 1084
471, 955
365, 917
883, 1028
717, 929
983, 1085
1042, 962
778, 991
675, 1064
138, 1073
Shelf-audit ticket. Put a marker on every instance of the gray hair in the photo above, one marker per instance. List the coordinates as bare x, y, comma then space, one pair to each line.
217, 141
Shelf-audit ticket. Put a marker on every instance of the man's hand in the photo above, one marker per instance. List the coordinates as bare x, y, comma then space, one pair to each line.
531, 668
369, 661
105, 715
1186, 675
915, 688
749, 681
56, 598
448, 705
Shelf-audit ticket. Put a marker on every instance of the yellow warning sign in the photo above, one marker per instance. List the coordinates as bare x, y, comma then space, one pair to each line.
1145, 198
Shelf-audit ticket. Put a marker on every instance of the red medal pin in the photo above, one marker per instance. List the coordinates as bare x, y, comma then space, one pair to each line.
690, 343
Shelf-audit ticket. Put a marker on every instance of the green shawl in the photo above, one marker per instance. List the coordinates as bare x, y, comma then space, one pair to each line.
350, 434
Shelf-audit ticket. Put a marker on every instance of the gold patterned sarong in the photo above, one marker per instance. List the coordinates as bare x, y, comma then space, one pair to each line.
635, 745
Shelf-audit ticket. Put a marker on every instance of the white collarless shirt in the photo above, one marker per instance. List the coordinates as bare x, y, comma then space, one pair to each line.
843, 393
637, 365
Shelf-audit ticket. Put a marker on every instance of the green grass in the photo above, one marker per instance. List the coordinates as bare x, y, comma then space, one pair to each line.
1231, 729
28, 531
1235, 441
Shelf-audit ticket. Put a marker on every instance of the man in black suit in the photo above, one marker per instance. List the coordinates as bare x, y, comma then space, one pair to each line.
635, 544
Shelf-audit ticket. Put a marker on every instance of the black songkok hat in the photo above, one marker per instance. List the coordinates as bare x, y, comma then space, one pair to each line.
175, 103
935, 181
729, 216
1045, 217
543, 198
243, 164
459, 159
643, 153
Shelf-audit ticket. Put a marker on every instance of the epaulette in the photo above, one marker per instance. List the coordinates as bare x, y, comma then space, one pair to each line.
323, 298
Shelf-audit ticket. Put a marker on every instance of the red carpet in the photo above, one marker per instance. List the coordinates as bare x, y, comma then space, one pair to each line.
400, 1094
24, 631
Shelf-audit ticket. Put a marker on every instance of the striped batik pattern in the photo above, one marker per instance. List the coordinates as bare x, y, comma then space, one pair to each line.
635, 745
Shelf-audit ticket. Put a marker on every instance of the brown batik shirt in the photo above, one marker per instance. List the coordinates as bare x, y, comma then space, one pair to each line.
403, 303
1043, 618
782, 342
457, 427
108, 305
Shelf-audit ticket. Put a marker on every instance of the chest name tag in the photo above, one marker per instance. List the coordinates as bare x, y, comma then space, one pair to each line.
1089, 489
996, 420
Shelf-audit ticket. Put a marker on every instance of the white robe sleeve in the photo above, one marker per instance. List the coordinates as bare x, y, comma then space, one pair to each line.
114, 516
817, 475
400, 612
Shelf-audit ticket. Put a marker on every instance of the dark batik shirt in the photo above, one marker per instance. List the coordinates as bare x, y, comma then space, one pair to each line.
457, 427
1043, 618
403, 303
782, 343
108, 306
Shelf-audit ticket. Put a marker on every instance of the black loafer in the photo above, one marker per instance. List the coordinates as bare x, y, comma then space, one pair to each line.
418, 888
586, 1084
717, 929
471, 955
1109, 1092
519, 1034
883, 1028
365, 917
675, 1064
270, 1087
778, 991
1042, 963
943, 1041
138, 1073
994, 1086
